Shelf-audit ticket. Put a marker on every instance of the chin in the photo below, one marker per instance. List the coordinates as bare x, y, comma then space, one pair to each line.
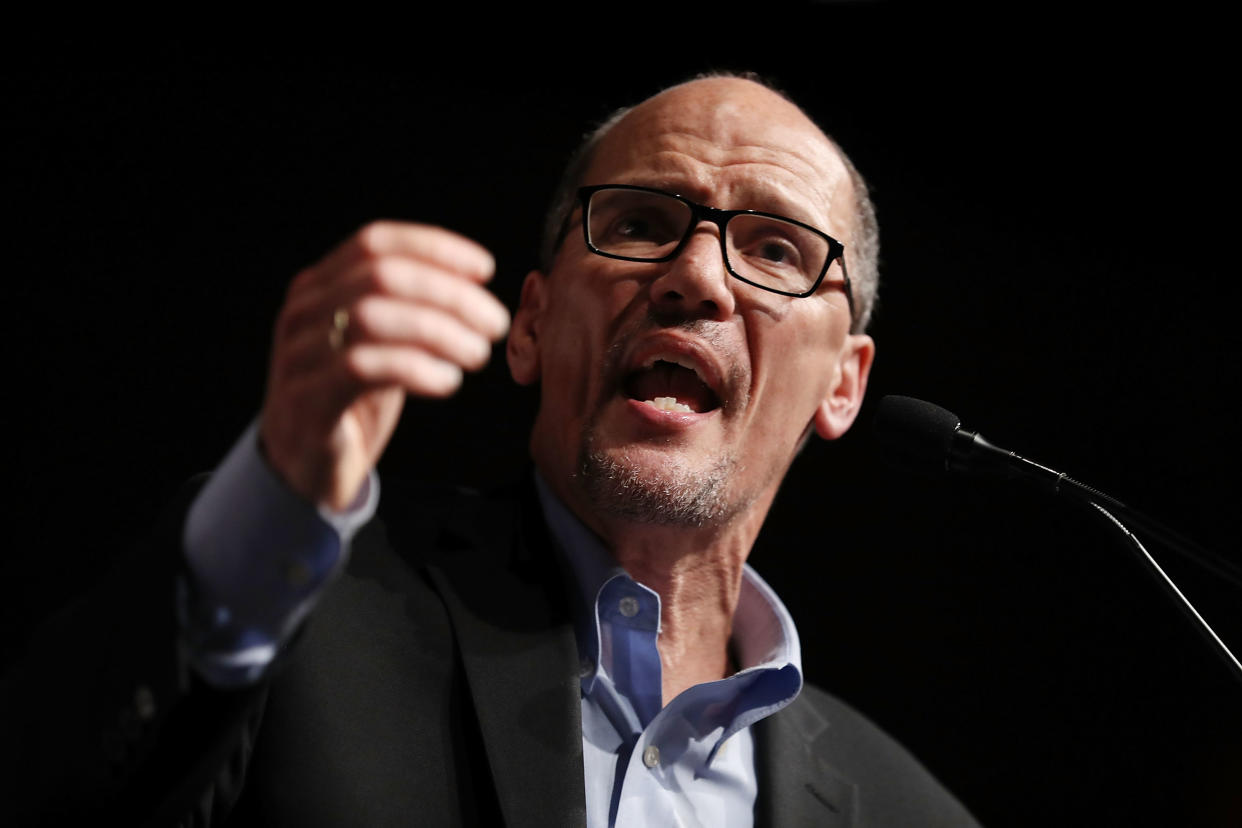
645, 485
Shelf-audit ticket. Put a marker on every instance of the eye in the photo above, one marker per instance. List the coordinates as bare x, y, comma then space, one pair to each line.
773, 252
633, 227
778, 251
644, 225
636, 228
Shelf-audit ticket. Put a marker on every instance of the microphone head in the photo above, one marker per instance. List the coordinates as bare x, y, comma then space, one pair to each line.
914, 433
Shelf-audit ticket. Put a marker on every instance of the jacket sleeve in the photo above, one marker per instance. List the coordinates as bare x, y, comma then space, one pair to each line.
106, 712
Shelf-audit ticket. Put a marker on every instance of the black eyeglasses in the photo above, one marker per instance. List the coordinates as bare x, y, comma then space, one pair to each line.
775, 253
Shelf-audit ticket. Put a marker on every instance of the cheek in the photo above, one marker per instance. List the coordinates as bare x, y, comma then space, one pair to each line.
572, 353
796, 364
585, 316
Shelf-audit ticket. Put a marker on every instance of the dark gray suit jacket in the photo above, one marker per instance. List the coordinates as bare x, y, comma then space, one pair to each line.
436, 684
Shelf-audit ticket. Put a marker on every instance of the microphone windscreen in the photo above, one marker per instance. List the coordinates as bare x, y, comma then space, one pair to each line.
914, 433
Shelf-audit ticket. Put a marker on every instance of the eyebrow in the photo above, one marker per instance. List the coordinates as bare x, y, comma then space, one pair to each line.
770, 202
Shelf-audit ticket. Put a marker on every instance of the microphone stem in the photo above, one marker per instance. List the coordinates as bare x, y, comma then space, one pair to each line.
1218, 565
1206, 628
972, 453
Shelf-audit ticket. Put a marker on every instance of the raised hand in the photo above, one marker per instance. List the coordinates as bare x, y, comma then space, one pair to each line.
395, 309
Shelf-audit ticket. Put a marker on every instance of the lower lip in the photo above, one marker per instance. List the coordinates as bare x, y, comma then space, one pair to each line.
671, 420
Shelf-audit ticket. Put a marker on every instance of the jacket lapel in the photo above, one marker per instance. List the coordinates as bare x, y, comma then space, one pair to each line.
505, 596
796, 786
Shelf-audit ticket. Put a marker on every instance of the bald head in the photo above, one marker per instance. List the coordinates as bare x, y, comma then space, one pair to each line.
769, 129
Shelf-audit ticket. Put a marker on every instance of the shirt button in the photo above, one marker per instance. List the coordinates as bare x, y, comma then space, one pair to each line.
629, 606
651, 756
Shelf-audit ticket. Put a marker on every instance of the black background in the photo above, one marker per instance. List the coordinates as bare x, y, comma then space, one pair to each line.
1058, 218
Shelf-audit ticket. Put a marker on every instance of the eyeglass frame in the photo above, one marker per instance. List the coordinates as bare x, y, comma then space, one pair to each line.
721, 218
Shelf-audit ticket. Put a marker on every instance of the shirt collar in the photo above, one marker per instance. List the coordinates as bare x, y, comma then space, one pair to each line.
764, 635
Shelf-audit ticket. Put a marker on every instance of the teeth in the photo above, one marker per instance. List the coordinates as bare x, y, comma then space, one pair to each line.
684, 362
668, 404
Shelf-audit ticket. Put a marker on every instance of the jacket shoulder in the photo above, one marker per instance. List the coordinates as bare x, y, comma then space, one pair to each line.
822, 746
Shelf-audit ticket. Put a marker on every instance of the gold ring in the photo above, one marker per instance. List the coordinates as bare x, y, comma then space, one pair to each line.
340, 324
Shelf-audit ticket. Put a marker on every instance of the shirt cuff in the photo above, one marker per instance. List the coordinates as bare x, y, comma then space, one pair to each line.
258, 559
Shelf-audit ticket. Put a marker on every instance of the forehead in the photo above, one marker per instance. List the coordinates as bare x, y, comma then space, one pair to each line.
734, 144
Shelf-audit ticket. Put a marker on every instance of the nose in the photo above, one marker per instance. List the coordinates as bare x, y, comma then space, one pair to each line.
696, 284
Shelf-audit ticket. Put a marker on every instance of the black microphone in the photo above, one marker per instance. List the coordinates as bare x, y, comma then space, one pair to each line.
927, 438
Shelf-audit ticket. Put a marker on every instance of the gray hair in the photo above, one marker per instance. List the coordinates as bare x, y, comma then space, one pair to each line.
863, 252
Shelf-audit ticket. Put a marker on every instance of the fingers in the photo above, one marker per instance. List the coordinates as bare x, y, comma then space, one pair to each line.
425, 267
394, 303
385, 324
400, 279
318, 397
397, 308
433, 246
383, 320
417, 371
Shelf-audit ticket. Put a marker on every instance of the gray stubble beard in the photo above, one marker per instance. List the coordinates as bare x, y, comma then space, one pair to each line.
676, 495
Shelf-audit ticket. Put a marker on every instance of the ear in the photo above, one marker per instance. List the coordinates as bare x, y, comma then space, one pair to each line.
522, 348
840, 406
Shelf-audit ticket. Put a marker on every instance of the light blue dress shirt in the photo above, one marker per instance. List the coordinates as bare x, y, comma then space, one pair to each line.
690, 763
260, 557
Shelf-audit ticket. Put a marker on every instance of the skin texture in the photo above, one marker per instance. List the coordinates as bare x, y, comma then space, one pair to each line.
780, 366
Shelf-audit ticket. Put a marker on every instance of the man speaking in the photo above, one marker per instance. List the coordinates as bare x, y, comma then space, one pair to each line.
589, 647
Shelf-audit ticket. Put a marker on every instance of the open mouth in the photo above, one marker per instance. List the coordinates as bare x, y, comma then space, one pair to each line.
670, 384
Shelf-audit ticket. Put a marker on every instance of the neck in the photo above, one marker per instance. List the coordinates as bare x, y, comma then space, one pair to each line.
697, 573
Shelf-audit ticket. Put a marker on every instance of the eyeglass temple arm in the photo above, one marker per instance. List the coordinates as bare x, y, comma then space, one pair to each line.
848, 287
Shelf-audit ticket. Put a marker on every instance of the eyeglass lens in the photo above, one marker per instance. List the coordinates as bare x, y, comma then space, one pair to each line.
765, 250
